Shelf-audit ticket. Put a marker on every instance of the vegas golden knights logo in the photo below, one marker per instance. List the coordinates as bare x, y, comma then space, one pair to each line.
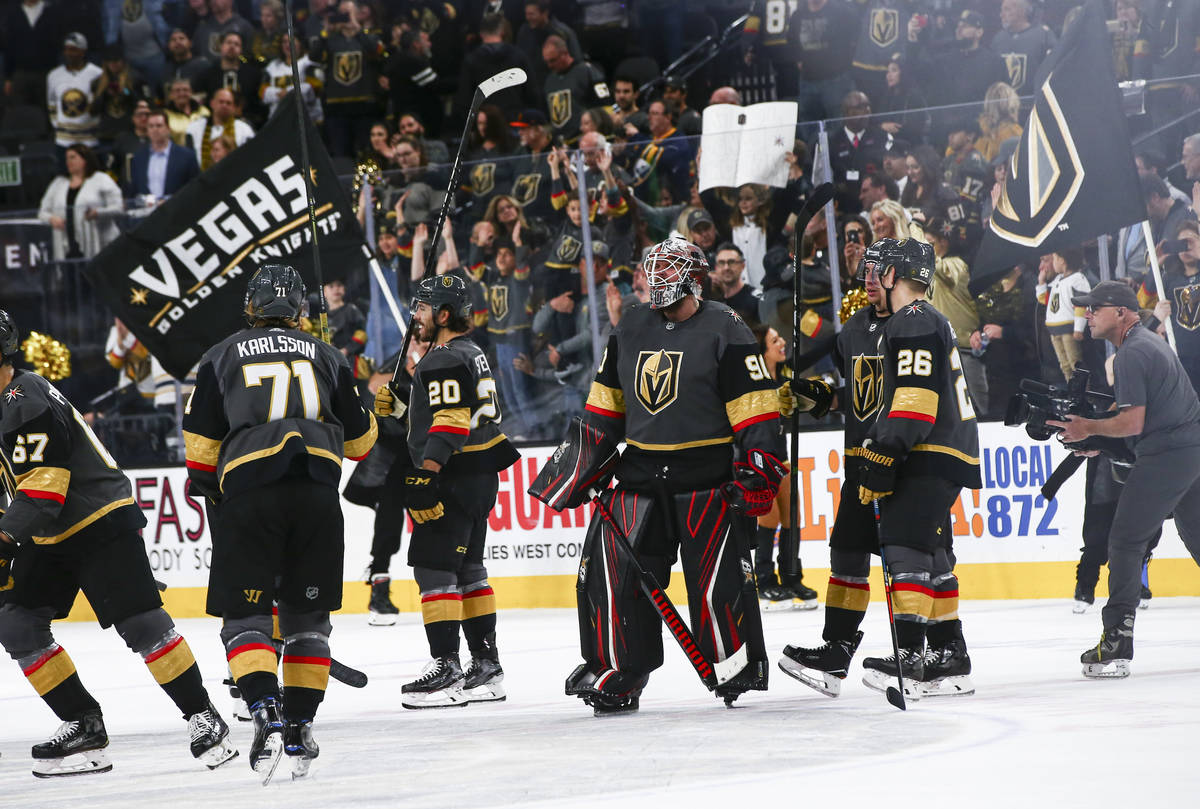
525, 189
74, 103
252, 596
1187, 307
885, 26
131, 10
1016, 64
1054, 301
560, 108
348, 67
498, 301
483, 178
868, 386
568, 249
657, 375
1044, 176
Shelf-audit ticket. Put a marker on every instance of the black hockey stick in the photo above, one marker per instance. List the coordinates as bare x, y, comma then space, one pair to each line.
513, 77
711, 674
346, 675
894, 695
789, 546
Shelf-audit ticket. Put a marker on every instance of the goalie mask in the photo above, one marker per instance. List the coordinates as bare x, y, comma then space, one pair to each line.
583, 462
674, 269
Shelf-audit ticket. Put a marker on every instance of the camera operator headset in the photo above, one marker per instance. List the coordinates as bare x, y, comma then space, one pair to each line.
1159, 414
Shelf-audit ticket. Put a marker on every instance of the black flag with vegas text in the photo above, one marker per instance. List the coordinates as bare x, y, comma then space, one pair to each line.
1072, 177
178, 280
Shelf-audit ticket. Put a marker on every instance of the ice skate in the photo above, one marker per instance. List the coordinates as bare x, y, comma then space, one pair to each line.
1144, 598
1109, 660
947, 671
300, 746
381, 610
879, 673
822, 668
775, 598
607, 692
752, 678
803, 597
210, 738
76, 748
1085, 597
239, 710
484, 681
267, 747
439, 686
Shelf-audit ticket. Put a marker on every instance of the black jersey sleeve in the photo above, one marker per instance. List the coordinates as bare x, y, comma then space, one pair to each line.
204, 428
605, 408
749, 395
358, 424
38, 450
450, 390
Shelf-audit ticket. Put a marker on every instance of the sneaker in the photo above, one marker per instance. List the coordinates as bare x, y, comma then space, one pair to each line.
823, 667
300, 746
267, 746
439, 686
1110, 657
210, 738
484, 681
947, 671
879, 673
775, 598
76, 748
381, 610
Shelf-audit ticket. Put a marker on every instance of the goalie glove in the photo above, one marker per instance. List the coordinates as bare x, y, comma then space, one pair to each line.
878, 477
755, 483
388, 404
813, 396
422, 497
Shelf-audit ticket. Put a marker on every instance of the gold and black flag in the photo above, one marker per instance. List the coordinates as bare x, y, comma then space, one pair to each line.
1072, 176
178, 280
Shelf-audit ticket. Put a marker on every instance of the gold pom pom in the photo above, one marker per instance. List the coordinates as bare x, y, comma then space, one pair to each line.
46, 356
852, 301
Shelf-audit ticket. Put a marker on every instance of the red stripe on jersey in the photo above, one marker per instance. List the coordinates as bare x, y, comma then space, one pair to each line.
600, 411
741, 425
908, 414
164, 650
446, 428
38, 494
201, 467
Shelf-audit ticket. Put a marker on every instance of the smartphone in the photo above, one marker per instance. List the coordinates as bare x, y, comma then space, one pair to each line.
854, 236
1174, 246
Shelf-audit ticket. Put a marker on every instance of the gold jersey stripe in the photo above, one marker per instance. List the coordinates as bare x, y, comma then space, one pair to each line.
944, 609
703, 442
51, 672
916, 400
441, 609
606, 398
479, 605
842, 597
172, 664
751, 405
84, 523
912, 602
457, 417
269, 451
485, 445
951, 451
45, 479
201, 449
359, 447
250, 662
305, 675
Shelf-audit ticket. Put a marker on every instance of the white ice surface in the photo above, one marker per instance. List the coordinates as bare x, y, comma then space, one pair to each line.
1035, 735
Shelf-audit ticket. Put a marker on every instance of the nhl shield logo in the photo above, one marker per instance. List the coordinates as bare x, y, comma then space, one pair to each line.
1016, 64
657, 375
868, 386
348, 67
560, 108
311, 593
525, 189
483, 178
1187, 307
885, 26
1044, 176
498, 301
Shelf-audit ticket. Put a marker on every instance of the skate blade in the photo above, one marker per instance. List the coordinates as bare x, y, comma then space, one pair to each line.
803, 605
84, 763
381, 619
301, 767
220, 753
827, 684
274, 752
959, 686
490, 692
878, 681
1144, 604
1112, 670
445, 698
766, 605
1080, 607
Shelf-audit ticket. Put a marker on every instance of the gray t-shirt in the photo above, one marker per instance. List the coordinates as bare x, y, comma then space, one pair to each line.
1148, 374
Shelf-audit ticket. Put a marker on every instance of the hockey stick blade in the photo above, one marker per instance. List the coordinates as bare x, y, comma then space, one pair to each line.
896, 698
818, 199
346, 675
513, 77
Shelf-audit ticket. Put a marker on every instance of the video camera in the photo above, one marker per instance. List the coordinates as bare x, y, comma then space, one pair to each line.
1037, 402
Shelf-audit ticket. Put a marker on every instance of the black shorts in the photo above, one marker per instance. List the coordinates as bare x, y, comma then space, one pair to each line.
854, 526
112, 572
917, 515
279, 542
460, 534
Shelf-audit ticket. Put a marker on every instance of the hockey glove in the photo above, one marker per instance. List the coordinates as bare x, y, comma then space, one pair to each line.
878, 477
787, 401
8, 551
755, 484
388, 404
813, 396
421, 495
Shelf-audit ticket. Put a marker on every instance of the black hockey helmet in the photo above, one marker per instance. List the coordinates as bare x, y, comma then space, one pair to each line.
274, 291
444, 290
910, 259
10, 337
872, 256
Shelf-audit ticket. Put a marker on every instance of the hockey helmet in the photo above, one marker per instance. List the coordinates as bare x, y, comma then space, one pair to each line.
10, 337
871, 256
274, 291
910, 259
582, 464
444, 290
674, 269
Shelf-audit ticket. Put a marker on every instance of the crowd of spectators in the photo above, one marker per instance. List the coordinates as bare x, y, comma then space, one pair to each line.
922, 99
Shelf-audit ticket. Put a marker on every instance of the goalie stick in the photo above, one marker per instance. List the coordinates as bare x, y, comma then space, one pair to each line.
712, 674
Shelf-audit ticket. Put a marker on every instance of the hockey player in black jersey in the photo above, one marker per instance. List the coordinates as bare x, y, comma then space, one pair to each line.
72, 525
911, 440
682, 382
457, 451
273, 413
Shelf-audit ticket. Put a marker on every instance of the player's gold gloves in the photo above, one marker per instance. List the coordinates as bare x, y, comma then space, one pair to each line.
787, 402
388, 404
878, 478
421, 496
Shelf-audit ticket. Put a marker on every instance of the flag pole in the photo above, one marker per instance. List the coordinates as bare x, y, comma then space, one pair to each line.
1152, 257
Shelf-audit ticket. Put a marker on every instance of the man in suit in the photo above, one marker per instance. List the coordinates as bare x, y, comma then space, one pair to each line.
855, 150
161, 167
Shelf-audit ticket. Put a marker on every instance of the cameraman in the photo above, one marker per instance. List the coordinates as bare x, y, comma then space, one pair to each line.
1158, 411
